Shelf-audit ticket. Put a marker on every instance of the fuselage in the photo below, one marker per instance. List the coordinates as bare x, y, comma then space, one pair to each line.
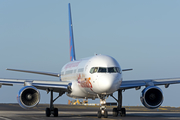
100, 74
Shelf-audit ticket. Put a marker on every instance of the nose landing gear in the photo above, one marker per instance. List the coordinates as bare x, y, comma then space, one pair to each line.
102, 110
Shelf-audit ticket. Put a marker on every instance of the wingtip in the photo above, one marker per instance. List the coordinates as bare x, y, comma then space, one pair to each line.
8, 69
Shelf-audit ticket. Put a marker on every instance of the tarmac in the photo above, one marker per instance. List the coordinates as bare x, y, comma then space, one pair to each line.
80, 112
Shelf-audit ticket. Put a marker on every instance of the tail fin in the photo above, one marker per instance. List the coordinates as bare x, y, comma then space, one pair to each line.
71, 38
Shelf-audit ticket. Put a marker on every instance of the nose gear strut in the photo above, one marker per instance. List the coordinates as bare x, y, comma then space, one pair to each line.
102, 110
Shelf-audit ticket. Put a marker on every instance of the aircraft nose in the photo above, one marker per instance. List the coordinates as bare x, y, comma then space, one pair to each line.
106, 84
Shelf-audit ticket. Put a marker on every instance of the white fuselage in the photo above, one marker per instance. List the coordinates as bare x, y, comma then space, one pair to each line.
100, 74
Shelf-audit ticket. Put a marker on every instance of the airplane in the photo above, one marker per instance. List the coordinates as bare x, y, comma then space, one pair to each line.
95, 77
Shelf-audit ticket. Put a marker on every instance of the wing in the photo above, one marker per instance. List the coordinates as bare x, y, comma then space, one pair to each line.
127, 69
150, 82
36, 72
57, 86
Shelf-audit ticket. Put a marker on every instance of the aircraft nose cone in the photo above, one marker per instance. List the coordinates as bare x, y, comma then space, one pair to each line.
105, 84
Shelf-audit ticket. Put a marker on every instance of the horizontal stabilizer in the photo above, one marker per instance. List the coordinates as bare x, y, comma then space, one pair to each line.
36, 72
126, 69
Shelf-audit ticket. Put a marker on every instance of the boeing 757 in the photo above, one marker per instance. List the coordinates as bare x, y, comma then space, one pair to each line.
96, 77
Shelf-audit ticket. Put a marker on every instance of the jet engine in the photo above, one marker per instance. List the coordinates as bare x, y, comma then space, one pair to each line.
151, 97
28, 97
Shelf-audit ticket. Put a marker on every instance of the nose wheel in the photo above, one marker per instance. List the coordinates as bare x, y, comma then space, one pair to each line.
99, 114
102, 111
105, 114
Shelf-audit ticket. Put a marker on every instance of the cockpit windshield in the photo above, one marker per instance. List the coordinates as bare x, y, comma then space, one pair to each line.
102, 70
105, 70
112, 70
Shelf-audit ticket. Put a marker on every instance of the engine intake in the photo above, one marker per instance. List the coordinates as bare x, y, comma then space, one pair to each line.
28, 97
151, 97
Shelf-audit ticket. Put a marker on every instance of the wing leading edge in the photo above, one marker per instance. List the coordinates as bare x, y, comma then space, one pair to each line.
57, 86
150, 82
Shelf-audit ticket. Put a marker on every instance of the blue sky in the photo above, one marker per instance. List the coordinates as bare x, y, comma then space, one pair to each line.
143, 35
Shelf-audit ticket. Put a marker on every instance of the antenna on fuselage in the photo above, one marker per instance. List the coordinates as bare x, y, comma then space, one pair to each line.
71, 38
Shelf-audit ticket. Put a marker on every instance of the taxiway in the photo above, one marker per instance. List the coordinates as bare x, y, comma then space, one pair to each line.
68, 112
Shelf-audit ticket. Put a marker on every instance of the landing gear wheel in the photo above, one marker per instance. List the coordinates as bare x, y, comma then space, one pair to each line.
115, 112
55, 112
99, 114
48, 112
105, 114
123, 112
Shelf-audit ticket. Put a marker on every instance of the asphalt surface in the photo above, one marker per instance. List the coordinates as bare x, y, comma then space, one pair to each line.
68, 112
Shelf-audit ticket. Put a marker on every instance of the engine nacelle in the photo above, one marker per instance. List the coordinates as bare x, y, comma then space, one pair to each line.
151, 97
28, 97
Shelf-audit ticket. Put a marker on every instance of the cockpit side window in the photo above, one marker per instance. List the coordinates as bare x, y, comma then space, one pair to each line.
94, 70
102, 70
118, 70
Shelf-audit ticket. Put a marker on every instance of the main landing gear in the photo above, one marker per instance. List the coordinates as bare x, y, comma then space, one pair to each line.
102, 110
53, 110
119, 109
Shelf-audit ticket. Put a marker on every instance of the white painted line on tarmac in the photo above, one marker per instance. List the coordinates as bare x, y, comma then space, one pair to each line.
174, 118
154, 112
35, 118
3, 118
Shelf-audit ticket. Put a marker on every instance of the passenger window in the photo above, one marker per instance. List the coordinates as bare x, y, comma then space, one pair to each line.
102, 70
75, 71
81, 70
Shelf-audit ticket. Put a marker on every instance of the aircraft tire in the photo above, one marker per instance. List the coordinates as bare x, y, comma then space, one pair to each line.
105, 114
123, 112
55, 112
115, 112
48, 112
99, 114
